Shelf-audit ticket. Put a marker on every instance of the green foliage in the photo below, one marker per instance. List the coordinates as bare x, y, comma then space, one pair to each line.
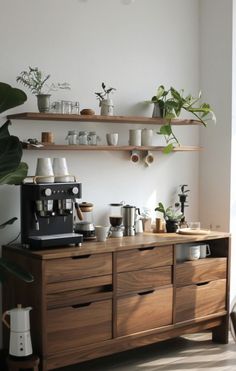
35, 81
169, 213
105, 93
10, 97
171, 103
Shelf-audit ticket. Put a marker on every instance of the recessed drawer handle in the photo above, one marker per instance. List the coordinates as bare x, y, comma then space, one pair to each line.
81, 257
202, 283
146, 248
76, 306
146, 292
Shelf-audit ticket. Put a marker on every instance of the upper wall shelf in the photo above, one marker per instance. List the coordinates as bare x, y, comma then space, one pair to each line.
37, 116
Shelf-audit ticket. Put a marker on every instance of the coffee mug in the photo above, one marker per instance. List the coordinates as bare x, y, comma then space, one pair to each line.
205, 251
135, 137
193, 252
112, 139
148, 159
180, 252
101, 232
135, 156
44, 171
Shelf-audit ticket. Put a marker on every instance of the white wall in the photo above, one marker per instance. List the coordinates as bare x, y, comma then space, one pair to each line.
216, 82
133, 48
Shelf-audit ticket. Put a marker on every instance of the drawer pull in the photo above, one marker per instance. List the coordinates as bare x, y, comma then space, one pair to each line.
81, 257
76, 306
146, 248
146, 292
202, 283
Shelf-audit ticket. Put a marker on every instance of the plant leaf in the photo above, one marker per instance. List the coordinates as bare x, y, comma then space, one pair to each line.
16, 176
165, 129
168, 149
10, 97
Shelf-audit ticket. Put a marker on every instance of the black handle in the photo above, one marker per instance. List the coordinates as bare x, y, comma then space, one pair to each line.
146, 292
146, 248
202, 283
81, 257
76, 306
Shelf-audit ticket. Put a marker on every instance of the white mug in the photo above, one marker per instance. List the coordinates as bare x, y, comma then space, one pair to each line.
135, 156
193, 252
180, 251
135, 137
147, 135
101, 232
149, 158
60, 170
44, 170
112, 139
205, 251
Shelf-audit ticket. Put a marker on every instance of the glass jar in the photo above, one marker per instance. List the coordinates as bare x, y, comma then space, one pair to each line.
93, 138
83, 137
72, 137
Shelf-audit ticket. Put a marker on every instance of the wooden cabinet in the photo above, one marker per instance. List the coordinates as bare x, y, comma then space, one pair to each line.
103, 298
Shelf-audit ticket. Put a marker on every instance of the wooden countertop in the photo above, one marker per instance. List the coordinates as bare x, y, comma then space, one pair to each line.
118, 244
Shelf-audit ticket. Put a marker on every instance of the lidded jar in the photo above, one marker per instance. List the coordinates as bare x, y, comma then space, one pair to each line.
72, 137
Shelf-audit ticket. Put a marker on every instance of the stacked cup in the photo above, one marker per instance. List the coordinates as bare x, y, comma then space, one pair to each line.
48, 172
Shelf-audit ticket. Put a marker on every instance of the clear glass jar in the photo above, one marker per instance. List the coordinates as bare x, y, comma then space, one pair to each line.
83, 137
72, 137
93, 138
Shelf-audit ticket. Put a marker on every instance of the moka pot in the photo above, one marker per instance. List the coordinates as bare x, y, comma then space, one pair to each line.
20, 340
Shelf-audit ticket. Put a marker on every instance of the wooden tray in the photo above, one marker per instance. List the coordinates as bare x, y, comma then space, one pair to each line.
193, 231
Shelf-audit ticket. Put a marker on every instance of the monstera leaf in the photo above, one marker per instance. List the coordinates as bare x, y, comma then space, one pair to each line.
10, 97
12, 170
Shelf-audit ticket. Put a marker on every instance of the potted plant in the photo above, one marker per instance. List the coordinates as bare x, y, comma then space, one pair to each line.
12, 170
36, 82
105, 102
169, 104
171, 215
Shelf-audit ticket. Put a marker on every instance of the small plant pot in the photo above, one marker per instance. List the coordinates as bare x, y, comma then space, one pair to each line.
43, 101
157, 111
107, 107
171, 226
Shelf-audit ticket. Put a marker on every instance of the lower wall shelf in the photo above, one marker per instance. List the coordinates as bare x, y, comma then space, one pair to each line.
64, 147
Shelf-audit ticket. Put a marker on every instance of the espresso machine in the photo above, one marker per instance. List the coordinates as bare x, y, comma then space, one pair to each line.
47, 214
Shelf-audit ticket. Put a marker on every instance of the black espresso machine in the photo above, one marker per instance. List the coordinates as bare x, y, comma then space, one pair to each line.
47, 214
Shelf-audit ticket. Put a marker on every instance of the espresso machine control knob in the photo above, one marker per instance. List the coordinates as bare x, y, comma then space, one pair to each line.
74, 190
47, 192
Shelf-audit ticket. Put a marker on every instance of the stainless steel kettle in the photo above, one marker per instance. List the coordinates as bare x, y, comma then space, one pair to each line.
129, 219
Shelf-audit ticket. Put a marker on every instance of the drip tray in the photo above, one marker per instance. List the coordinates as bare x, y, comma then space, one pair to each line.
54, 240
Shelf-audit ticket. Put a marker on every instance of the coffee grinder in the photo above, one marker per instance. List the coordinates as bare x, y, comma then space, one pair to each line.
116, 219
47, 214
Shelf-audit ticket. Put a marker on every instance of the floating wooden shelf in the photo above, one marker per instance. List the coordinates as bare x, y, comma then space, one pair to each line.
37, 116
66, 147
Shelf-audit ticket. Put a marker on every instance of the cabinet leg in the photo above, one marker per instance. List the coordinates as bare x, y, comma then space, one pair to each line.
220, 334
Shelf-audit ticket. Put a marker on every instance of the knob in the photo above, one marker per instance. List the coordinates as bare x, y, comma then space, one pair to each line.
47, 192
75, 190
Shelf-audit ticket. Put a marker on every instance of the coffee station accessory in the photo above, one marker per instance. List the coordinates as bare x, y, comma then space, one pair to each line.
129, 220
20, 339
47, 214
85, 226
116, 220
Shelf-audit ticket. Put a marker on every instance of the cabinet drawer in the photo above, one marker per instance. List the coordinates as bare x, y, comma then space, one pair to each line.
200, 300
78, 267
75, 326
145, 257
144, 311
201, 270
143, 279
61, 294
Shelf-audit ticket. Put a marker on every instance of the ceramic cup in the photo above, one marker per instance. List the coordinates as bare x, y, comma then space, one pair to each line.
135, 137
112, 139
146, 137
135, 156
148, 159
193, 252
60, 170
101, 232
181, 253
205, 251
44, 171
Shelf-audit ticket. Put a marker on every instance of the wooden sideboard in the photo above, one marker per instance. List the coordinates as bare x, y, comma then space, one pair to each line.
107, 297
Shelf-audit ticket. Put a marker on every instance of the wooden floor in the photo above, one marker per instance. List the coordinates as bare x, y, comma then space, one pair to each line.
189, 353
